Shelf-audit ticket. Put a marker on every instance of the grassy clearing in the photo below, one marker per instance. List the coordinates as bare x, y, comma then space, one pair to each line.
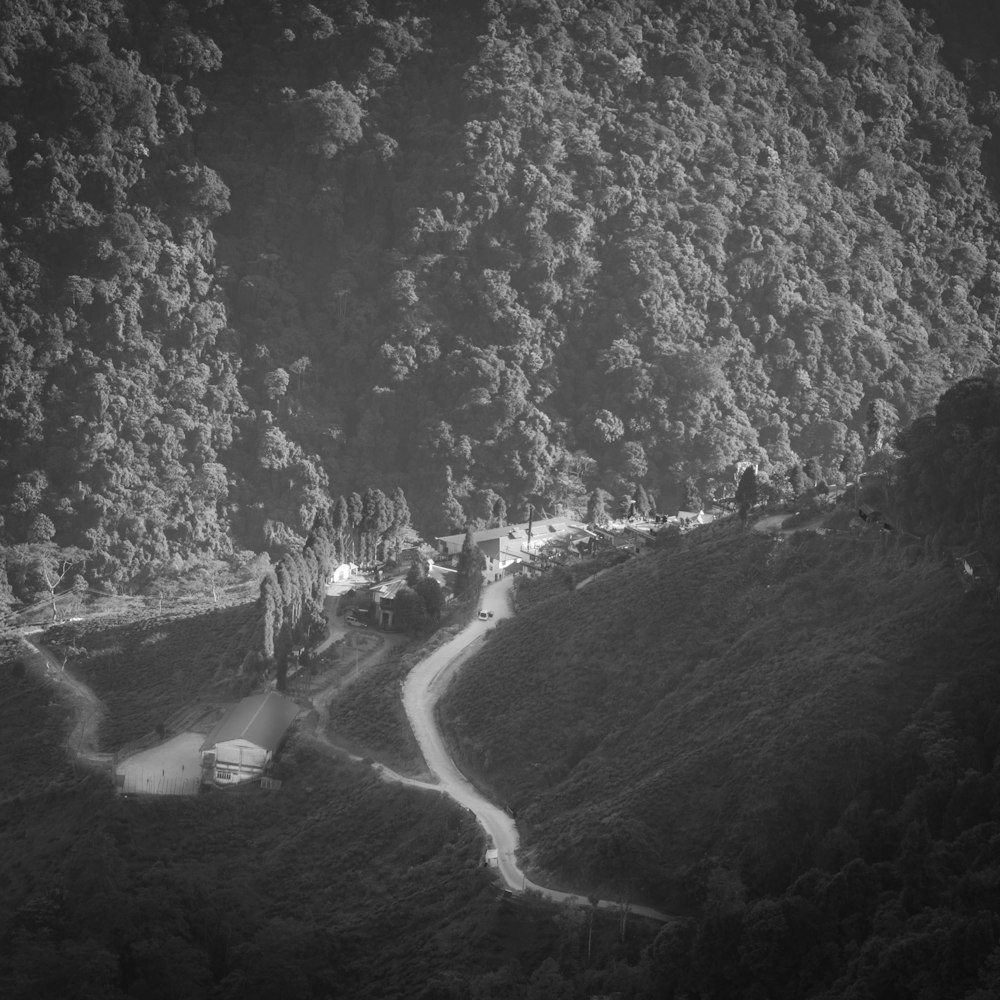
146, 668
728, 698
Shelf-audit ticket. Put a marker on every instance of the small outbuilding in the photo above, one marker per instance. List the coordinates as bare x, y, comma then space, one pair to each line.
246, 738
383, 597
974, 571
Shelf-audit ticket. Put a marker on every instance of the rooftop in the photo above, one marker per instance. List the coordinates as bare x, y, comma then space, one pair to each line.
261, 719
543, 526
388, 590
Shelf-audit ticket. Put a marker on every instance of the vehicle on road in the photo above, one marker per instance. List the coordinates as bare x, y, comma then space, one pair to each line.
356, 621
485, 615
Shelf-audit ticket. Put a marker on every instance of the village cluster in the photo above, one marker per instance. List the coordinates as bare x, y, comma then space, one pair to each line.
241, 746
369, 593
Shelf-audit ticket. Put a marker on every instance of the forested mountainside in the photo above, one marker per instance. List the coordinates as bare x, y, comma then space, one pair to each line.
794, 741
258, 254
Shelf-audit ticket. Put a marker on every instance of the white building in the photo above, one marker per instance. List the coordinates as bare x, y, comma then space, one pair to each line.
516, 544
246, 738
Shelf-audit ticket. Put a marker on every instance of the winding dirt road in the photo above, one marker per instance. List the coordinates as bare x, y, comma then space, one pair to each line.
423, 689
88, 709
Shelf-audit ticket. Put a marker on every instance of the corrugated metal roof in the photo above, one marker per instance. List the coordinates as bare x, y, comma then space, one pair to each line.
261, 719
388, 590
440, 574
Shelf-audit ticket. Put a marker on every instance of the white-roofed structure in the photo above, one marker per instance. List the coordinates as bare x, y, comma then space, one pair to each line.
516, 544
245, 739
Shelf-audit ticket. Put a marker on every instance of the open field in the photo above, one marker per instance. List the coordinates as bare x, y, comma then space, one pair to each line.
169, 768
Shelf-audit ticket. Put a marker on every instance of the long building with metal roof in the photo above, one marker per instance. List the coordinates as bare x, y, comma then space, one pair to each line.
246, 738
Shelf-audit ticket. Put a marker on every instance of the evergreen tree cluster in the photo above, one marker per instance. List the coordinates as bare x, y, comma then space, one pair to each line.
469, 569
946, 482
365, 525
291, 597
419, 604
292, 592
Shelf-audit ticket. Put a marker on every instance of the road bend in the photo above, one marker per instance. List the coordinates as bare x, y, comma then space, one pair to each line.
422, 690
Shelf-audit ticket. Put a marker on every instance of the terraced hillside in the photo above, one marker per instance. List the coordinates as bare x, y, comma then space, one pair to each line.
727, 701
32, 724
147, 668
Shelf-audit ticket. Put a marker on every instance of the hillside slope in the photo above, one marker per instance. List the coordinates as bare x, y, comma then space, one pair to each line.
729, 700
545, 244
253, 255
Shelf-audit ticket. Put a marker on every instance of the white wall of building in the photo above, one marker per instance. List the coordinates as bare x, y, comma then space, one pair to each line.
238, 760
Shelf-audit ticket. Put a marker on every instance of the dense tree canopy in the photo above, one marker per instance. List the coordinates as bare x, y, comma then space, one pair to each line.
254, 255
948, 476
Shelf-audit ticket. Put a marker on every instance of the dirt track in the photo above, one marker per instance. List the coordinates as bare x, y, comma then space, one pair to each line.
88, 709
422, 690
424, 686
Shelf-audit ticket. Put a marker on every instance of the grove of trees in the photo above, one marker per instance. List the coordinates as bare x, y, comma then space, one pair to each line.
508, 252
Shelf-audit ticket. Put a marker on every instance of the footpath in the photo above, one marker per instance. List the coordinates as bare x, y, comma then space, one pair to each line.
88, 709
